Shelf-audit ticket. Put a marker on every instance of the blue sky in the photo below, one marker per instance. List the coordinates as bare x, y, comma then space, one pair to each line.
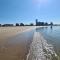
26, 11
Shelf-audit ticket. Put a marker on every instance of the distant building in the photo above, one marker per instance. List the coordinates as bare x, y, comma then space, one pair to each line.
17, 24
21, 24
51, 23
39, 23
36, 21
0, 25
31, 24
6, 25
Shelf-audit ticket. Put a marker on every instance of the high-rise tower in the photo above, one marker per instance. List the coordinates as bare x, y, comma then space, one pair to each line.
36, 22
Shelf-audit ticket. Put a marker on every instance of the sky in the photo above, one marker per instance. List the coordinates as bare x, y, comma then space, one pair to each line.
26, 11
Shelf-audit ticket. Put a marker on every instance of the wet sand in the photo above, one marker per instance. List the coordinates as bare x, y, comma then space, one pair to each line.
15, 42
14, 45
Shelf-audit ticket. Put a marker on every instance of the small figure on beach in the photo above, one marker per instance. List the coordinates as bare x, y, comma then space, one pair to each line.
51, 26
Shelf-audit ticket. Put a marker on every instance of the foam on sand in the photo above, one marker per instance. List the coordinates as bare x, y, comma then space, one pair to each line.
40, 49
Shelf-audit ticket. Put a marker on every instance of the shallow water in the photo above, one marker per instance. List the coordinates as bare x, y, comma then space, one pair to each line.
52, 35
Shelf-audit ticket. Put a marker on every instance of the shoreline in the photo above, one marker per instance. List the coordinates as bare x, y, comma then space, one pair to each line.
8, 32
17, 47
26, 47
40, 49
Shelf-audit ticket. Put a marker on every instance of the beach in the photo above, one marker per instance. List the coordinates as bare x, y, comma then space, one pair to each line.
40, 49
6, 32
18, 50
24, 43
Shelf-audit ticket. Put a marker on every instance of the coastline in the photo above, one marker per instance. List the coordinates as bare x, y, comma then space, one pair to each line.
8, 32
40, 49
16, 47
38, 46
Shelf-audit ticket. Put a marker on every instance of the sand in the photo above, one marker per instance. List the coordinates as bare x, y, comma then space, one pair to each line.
13, 52
6, 32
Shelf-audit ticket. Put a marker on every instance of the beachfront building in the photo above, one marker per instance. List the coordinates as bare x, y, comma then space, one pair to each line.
41, 23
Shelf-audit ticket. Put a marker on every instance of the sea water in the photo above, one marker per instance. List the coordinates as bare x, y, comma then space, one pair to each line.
52, 35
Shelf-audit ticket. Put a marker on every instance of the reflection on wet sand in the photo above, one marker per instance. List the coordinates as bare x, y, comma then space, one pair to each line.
16, 48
